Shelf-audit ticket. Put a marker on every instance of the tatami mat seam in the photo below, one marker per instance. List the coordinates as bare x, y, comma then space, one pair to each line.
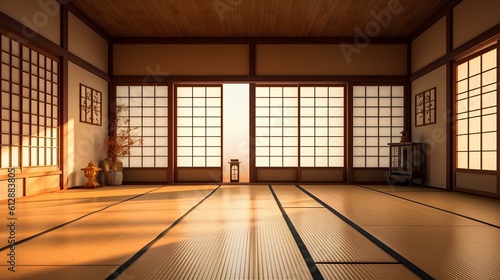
421, 273
311, 264
144, 249
358, 263
430, 206
76, 219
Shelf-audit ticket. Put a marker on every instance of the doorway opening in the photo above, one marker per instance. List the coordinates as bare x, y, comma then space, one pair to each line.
236, 130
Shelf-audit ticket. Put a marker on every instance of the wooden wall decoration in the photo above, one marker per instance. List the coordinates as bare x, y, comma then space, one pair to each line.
425, 107
90, 105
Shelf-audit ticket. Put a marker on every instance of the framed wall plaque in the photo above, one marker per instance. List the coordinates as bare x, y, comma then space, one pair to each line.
90, 105
425, 107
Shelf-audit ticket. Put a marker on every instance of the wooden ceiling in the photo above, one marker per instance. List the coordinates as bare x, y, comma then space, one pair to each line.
259, 18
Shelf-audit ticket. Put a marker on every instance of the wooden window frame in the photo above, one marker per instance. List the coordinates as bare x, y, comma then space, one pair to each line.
480, 115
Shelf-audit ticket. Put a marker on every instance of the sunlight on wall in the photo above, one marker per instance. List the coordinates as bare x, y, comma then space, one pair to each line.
236, 128
71, 152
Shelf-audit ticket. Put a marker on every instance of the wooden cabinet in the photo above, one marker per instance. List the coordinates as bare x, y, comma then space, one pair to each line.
407, 162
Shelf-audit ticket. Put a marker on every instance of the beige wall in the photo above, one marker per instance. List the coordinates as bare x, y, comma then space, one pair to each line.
41, 16
87, 44
329, 59
434, 135
429, 46
85, 141
270, 60
473, 17
191, 59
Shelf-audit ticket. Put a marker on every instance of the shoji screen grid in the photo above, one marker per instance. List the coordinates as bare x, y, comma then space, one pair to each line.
378, 119
199, 126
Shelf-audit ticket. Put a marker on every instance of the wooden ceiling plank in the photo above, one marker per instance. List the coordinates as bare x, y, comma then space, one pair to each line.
257, 18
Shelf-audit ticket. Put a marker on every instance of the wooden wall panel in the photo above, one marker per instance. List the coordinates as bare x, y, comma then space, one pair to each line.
36, 185
277, 175
476, 182
331, 59
4, 194
189, 59
87, 44
365, 175
321, 175
429, 46
472, 17
40, 16
143, 175
202, 175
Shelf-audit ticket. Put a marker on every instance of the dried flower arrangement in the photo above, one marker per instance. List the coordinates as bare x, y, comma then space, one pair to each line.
122, 137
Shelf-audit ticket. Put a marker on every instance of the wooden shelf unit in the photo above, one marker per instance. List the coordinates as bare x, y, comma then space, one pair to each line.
407, 162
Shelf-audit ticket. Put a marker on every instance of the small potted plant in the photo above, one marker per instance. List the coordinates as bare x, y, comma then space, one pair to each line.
118, 144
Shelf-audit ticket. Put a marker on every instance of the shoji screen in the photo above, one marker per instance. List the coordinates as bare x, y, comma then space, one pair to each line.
277, 126
29, 101
148, 113
321, 126
378, 119
199, 126
476, 112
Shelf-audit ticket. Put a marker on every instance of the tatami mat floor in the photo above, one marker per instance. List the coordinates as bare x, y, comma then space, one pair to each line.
253, 232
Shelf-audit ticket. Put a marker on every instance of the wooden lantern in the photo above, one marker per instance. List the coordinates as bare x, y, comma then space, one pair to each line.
90, 172
234, 169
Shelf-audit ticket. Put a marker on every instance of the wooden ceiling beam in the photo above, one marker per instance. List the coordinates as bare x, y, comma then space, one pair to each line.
256, 40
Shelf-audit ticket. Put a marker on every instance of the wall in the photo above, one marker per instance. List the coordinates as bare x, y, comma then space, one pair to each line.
470, 19
270, 60
330, 59
429, 46
434, 135
40, 16
147, 60
87, 44
282, 59
473, 17
86, 141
